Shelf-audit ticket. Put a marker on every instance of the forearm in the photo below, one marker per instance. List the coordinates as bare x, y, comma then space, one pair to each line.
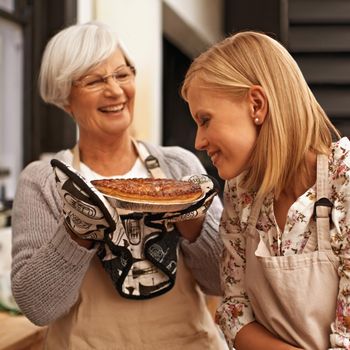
46, 283
190, 229
203, 255
86, 243
47, 265
254, 336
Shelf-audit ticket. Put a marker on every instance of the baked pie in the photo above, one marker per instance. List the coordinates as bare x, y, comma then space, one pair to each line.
162, 191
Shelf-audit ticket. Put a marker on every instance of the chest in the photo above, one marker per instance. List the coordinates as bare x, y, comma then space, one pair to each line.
281, 207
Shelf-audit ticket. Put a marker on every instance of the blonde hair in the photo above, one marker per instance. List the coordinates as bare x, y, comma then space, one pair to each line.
295, 122
70, 54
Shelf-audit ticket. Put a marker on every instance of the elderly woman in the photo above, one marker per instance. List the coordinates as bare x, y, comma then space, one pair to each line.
64, 280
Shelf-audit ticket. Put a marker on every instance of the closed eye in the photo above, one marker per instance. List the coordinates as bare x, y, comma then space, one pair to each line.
93, 80
203, 121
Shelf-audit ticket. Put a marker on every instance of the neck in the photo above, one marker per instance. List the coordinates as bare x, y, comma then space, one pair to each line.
110, 157
300, 185
294, 190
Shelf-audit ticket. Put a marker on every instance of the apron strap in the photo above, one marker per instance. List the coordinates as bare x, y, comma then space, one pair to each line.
76, 157
323, 205
254, 214
150, 162
323, 208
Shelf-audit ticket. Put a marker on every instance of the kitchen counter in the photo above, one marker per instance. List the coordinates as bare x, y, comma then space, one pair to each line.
18, 333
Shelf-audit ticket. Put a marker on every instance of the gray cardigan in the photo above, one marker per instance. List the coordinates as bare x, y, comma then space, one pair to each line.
48, 266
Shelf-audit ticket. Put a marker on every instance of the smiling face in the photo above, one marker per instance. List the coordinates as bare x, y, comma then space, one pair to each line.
226, 127
107, 112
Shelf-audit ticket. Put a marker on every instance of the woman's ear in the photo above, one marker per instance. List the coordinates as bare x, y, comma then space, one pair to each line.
258, 104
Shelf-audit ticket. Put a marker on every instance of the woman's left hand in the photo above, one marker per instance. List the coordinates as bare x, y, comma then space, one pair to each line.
189, 221
192, 221
190, 229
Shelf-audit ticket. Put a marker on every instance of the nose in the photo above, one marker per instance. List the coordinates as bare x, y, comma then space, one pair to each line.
113, 87
200, 142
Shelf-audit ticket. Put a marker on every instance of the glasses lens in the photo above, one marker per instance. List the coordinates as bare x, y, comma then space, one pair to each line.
123, 75
92, 82
98, 82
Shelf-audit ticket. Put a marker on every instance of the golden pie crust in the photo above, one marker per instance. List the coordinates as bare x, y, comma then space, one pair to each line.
163, 191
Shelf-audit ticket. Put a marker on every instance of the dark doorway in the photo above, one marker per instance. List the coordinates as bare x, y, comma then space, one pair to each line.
179, 129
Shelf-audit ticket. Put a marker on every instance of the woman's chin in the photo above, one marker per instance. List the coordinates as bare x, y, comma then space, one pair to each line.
223, 175
226, 174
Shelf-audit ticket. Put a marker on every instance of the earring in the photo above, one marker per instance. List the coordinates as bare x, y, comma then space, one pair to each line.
256, 121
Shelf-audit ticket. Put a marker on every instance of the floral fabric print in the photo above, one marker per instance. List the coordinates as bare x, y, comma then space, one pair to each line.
235, 310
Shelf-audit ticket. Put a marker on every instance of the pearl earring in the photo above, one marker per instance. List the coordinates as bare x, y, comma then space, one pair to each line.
256, 121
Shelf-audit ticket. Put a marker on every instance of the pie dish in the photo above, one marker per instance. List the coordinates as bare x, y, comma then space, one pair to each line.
148, 194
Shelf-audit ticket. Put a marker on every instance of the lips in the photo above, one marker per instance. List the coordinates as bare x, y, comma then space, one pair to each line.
113, 109
213, 156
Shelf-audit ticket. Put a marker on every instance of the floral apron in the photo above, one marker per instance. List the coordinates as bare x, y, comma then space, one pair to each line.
294, 297
101, 319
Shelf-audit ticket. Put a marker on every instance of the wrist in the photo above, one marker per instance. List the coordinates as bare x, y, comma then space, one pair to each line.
86, 243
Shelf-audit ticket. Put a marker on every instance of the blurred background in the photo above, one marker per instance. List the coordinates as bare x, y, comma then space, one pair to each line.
163, 36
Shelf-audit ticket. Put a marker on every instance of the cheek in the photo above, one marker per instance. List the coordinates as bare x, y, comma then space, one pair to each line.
130, 91
79, 102
237, 152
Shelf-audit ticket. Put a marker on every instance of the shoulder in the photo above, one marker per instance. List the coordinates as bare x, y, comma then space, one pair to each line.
339, 163
39, 173
339, 180
173, 152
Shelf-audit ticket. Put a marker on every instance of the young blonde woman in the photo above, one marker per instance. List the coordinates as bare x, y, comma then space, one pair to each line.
285, 226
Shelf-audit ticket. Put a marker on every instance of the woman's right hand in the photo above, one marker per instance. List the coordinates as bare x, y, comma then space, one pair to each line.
87, 214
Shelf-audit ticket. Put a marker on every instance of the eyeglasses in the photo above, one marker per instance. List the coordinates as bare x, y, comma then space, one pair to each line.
95, 82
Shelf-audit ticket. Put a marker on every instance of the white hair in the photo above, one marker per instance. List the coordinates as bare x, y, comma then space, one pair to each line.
70, 54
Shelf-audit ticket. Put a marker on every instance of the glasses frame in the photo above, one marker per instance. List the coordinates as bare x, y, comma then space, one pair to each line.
80, 82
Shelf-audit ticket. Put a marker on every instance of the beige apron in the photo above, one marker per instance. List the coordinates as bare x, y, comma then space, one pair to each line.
294, 297
102, 319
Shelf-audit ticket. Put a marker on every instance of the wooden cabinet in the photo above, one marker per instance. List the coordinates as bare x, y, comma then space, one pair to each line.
18, 333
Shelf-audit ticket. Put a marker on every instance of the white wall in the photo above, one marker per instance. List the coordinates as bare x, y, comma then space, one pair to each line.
85, 10
192, 25
138, 23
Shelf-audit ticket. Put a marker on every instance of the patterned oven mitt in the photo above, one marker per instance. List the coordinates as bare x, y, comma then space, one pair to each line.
137, 250
89, 215
86, 211
148, 267
210, 188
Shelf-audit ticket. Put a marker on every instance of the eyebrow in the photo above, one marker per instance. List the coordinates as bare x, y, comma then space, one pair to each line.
100, 74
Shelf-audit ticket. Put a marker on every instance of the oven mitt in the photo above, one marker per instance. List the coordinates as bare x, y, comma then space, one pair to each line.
142, 259
210, 188
86, 212
128, 258
161, 238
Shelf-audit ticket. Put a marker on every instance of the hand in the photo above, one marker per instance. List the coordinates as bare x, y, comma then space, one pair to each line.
210, 188
255, 336
87, 214
189, 221
192, 225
